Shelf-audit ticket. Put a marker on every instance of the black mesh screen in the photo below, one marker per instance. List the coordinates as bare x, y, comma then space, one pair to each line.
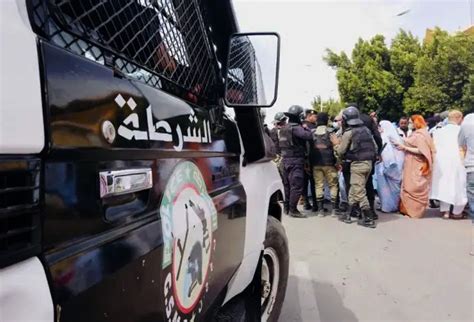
149, 40
242, 74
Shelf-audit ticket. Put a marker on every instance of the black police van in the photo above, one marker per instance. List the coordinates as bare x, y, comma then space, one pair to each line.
135, 182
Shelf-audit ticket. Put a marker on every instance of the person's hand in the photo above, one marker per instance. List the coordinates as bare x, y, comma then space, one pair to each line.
399, 146
334, 139
304, 125
395, 143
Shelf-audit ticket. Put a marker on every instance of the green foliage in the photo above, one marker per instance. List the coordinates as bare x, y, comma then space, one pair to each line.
367, 79
468, 95
331, 106
443, 75
404, 54
407, 77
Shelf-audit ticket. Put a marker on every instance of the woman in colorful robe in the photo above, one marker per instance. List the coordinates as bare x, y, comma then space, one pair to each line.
389, 171
417, 169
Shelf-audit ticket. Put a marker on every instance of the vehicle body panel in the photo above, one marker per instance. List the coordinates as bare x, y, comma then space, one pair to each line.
21, 104
106, 254
25, 282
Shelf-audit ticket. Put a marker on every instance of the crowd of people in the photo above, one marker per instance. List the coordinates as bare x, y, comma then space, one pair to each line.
348, 160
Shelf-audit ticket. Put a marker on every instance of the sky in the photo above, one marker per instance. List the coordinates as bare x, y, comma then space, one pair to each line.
307, 28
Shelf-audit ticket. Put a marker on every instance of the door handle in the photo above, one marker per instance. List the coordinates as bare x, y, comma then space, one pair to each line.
119, 182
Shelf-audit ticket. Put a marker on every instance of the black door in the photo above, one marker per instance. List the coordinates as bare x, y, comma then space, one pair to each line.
154, 254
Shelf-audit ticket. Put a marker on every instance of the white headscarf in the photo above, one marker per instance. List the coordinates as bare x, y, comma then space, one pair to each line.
389, 134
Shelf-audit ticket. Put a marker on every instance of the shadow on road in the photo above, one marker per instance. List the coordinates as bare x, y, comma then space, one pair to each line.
385, 217
329, 303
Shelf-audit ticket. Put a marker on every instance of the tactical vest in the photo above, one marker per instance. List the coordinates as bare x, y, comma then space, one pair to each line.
322, 152
290, 146
362, 146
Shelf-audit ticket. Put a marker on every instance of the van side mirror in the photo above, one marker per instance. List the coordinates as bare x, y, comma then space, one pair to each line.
252, 70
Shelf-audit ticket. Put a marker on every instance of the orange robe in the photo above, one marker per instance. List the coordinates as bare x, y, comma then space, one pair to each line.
417, 171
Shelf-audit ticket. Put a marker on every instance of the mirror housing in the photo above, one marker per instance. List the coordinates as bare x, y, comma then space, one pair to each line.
253, 65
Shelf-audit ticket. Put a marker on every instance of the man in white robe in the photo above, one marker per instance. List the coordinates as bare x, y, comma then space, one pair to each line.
449, 174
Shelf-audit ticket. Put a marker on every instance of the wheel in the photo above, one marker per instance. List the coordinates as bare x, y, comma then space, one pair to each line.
274, 270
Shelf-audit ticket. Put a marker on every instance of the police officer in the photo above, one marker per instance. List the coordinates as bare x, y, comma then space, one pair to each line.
358, 147
370, 123
323, 162
310, 117
278, 122
292, 142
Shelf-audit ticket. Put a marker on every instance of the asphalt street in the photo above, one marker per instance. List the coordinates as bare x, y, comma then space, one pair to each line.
403, 270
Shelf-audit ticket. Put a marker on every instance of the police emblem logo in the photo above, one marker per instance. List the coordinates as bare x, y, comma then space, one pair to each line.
189, 219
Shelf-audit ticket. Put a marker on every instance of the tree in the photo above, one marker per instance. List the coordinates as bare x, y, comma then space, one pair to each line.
443, 75
468, 95
366, 79
404, 54
408, 77
316, 103
331, 106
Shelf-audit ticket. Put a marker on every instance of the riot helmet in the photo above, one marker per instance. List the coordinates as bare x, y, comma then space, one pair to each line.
279, 116
294, 113
351, 116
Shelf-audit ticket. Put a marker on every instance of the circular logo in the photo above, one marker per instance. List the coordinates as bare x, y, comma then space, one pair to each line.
189, 219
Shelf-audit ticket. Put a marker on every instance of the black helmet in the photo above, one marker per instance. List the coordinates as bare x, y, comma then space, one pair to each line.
279, 116
294, 111
351, 116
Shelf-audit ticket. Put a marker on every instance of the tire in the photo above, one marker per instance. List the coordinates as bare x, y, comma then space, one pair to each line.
275, 251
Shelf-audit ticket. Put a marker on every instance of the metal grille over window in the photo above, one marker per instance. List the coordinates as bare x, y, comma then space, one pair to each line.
19, 210
242, 85
148, 39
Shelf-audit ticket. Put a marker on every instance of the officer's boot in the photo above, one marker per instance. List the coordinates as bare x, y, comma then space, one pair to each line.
320, 204
307, 205
346, 216
342, 208
355, 211
315, 207
296, 213
315, 203
367, 219
334, 209
372, 207
375, 215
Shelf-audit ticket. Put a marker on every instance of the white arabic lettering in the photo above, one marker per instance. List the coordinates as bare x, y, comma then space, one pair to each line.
179, 147
209, 131
153, 128
130, 134
204, 137
161, 130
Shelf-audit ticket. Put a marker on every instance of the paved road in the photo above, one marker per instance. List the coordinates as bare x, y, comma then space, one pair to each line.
404, 270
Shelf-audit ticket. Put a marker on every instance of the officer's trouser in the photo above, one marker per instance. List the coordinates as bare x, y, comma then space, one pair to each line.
308, 181
323, 173
346, 173
369, 188
293, 176
360, 172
